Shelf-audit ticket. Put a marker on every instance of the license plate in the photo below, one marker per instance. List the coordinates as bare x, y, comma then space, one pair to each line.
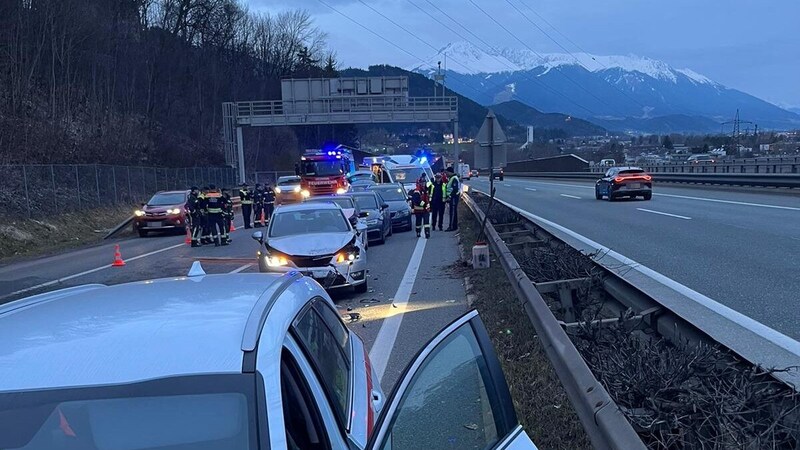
155, 224
635, 185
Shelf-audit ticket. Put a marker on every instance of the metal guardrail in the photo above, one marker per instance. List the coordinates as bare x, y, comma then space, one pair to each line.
602, 419
727, 179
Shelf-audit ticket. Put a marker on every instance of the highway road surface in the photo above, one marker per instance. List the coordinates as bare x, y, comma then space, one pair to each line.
415, 288
739, 248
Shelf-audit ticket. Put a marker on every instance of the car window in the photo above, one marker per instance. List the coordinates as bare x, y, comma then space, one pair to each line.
630, 171
391, 194
324, 347
175, 198
611, 172
289, 182
290, 223
301, 415
407, 175
447, 404
343, 202
366, 201
196, 412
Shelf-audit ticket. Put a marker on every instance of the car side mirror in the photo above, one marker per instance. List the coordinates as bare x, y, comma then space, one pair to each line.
258, 236
363, 214
384, 206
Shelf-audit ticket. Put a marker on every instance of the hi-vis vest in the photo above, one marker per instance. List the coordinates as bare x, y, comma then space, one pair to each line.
214, 203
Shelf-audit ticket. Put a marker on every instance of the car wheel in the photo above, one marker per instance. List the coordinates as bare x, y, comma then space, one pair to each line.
142, 233
648, 196
597, 194
501, 178
362, 288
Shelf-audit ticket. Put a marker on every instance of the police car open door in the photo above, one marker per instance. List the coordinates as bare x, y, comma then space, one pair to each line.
452, 396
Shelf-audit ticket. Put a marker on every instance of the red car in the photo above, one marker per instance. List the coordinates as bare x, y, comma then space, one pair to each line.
166, 211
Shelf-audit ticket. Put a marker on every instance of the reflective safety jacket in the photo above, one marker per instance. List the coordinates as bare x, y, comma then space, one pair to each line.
227, 205
246, 196
214, 202
453, 186
437, 192
419, 201
193, 204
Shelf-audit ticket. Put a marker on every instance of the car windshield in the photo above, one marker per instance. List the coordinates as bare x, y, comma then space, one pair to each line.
366, 201
306, 221
361, 176
196, 413
391, 194
407, 175
343, 202
166, 199
323, 168
288, 182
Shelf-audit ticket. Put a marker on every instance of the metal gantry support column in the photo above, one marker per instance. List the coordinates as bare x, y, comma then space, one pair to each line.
240, 154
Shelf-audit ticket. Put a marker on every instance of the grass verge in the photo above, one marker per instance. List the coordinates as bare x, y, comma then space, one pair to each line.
542, 405
31, 237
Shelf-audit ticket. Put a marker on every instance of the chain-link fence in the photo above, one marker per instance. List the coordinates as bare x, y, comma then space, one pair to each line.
44, 190
269, 178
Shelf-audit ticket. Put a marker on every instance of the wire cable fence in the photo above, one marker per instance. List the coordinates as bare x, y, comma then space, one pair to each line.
35, 191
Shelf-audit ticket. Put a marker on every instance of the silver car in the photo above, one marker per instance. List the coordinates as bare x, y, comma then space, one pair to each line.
318, 240
234, 362
287, 190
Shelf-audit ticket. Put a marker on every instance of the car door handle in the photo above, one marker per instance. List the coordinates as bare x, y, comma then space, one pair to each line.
377, 397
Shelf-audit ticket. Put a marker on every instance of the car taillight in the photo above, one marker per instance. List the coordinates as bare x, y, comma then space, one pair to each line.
648, 178
618, 179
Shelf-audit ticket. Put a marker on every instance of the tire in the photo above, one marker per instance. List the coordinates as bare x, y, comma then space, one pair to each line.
611, 197
363, 287
597, 194
142, 233
391, 230
501, 178
648, 196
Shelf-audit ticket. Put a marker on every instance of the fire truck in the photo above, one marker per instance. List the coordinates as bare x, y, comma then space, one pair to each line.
324, 171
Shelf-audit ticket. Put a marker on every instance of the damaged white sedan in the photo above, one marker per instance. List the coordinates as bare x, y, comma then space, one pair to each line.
318, 240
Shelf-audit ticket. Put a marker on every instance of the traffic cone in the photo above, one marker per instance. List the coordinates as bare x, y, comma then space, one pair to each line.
118, 262
232, 228
188, 240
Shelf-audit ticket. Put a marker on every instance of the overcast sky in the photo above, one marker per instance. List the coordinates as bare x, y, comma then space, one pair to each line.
749, 45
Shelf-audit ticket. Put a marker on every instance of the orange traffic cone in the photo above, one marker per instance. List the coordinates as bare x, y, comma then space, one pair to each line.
232, 228
118, 262
188, 240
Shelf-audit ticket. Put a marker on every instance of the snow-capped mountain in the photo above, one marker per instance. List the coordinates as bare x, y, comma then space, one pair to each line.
592, 86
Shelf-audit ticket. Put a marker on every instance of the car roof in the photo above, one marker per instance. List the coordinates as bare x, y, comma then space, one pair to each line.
183, 191
129, 332
307, 206
626, 168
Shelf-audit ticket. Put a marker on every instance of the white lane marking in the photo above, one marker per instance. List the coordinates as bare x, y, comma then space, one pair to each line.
570, 196
753, 325
239, 269
506, 185
86, 272
387, 335
530, 189
732, 202
664, 214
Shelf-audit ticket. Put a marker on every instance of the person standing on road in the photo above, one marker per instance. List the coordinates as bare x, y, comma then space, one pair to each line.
421, 208
206, 237
193, 207
269, 202
214, 210
258, 206
227, 214
453, 192
437, 195
246, 199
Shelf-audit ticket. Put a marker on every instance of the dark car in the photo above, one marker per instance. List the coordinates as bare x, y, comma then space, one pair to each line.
399, 210
165, 211
498, 173
624, 182
379, 222
361, 185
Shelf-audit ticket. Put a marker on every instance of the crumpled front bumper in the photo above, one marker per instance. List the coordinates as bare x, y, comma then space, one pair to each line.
337, 275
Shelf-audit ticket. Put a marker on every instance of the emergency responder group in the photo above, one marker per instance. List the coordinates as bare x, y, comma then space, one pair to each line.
429, 198
210, 211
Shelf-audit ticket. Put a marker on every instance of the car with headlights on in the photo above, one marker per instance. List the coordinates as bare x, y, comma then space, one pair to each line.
317, 239
620, 182
396, 197
378, 220
234, 362
354, 215
287, 190
165, 211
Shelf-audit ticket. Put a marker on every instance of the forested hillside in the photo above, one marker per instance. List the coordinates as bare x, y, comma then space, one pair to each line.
142, 81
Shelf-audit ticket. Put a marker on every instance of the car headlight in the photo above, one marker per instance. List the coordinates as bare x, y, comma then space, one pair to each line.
349, 253
174, 211
305, 193
341, 191
276, 261
277, 190
138, 213
296, 189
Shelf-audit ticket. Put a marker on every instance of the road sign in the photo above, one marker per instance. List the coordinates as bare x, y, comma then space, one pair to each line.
490, 151
490, 131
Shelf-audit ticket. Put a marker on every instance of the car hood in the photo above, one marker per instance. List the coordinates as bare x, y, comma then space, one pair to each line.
373, 213
314, 244
397, 205
160, 208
